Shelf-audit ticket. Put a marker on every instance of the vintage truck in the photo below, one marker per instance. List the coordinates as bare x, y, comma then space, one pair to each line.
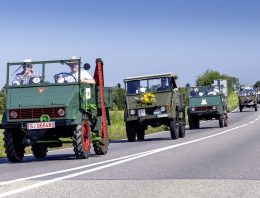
153, 100
207, 103
48, 111
248, 98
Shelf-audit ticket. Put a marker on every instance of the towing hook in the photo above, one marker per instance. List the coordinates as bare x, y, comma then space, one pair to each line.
27, 140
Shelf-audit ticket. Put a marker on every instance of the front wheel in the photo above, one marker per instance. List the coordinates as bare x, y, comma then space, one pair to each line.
81, 140
221, 121
255, 107
174, 129
140, 133
131, 131
14, 147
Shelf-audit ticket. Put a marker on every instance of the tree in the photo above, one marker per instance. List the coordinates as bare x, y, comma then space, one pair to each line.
118, 95
207, 78
2, 102
257, 85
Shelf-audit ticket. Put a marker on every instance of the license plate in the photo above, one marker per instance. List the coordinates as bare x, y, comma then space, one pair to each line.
40, 125
141, 112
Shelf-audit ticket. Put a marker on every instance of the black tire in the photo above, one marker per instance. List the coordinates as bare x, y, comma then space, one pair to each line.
181, 130
221, 121
140, 134
197, 122
81, 140
240, 108
100, 149
131, 131
255, 107
174, 129
226, 121
191, 123
39, 150
14, 147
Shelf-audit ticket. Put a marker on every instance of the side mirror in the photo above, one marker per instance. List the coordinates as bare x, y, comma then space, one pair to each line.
86, 66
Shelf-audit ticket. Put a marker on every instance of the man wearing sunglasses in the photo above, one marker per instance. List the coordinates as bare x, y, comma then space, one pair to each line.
27, 76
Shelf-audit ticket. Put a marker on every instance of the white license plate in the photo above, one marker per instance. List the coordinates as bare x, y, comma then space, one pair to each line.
40, 125
141, 112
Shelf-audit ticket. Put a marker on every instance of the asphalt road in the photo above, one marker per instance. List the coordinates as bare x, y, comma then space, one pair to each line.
209, 162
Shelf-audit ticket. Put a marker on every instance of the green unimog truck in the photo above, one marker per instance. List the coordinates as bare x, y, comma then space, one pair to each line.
207, 103
153, 100
248, 98
51, 110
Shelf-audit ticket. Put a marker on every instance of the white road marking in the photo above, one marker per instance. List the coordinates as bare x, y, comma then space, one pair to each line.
127, 159
251, 122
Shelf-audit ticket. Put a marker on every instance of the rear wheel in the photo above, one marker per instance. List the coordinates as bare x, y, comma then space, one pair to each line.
174, 129
39, 150
226, 121
181, 130
131, 131
191, 123
221, 121
81, 140
140, 133
14, 147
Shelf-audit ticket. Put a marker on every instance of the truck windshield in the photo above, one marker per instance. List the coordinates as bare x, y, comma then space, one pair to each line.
149, 85
203, 91
42, 72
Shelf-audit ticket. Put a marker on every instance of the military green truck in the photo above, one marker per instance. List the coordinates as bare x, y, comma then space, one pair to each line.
51, 110
247, 97
153, 100
207, 103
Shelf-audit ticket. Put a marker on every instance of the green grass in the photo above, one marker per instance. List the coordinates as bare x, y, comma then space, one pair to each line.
232, 101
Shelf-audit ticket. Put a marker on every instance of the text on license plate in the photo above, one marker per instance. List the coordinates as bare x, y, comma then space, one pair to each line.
141, 112
40, 125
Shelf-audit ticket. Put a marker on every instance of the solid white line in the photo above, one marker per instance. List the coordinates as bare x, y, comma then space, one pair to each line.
151, 152
251, 122
70, 169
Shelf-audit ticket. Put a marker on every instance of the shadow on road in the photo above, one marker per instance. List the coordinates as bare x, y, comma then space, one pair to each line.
147, 139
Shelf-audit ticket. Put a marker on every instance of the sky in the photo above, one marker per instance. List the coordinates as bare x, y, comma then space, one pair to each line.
136, 37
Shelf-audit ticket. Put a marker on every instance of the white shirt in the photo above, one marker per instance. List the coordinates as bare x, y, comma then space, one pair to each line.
69, 78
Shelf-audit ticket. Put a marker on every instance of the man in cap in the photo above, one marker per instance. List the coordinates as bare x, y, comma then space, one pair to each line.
27, 76
85, 77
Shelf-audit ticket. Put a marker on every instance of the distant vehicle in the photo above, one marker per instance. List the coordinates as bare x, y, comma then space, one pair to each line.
258, 97
247, 97
153, 100
207, 103
45, 112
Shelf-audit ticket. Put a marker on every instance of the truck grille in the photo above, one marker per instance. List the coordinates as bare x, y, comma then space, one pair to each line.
35, 113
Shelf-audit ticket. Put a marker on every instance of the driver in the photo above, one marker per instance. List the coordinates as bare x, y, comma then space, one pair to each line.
72, 76
164, 85
27, 76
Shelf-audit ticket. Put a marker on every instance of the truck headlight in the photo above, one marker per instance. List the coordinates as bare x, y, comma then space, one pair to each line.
132, 112
193, 109
61, 112
163, 109
214, 107
13, 114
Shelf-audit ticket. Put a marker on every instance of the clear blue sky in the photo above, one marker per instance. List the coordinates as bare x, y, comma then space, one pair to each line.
136, 37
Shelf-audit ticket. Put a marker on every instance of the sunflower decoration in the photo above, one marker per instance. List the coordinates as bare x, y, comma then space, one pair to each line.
146, 99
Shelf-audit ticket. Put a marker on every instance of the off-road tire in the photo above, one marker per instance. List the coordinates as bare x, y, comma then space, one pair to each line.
240, 108
140, 134
226, 121
100, 149
256, 107
181, 130
221, 121
131, 131
197, 123
174, 129
191, 123
81, 140
39, 150
14, 147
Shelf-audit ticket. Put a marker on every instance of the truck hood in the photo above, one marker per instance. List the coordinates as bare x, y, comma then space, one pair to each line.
21, 97
204, 101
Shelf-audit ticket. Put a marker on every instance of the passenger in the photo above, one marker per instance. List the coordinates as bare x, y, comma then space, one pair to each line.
27, 76
85, 77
